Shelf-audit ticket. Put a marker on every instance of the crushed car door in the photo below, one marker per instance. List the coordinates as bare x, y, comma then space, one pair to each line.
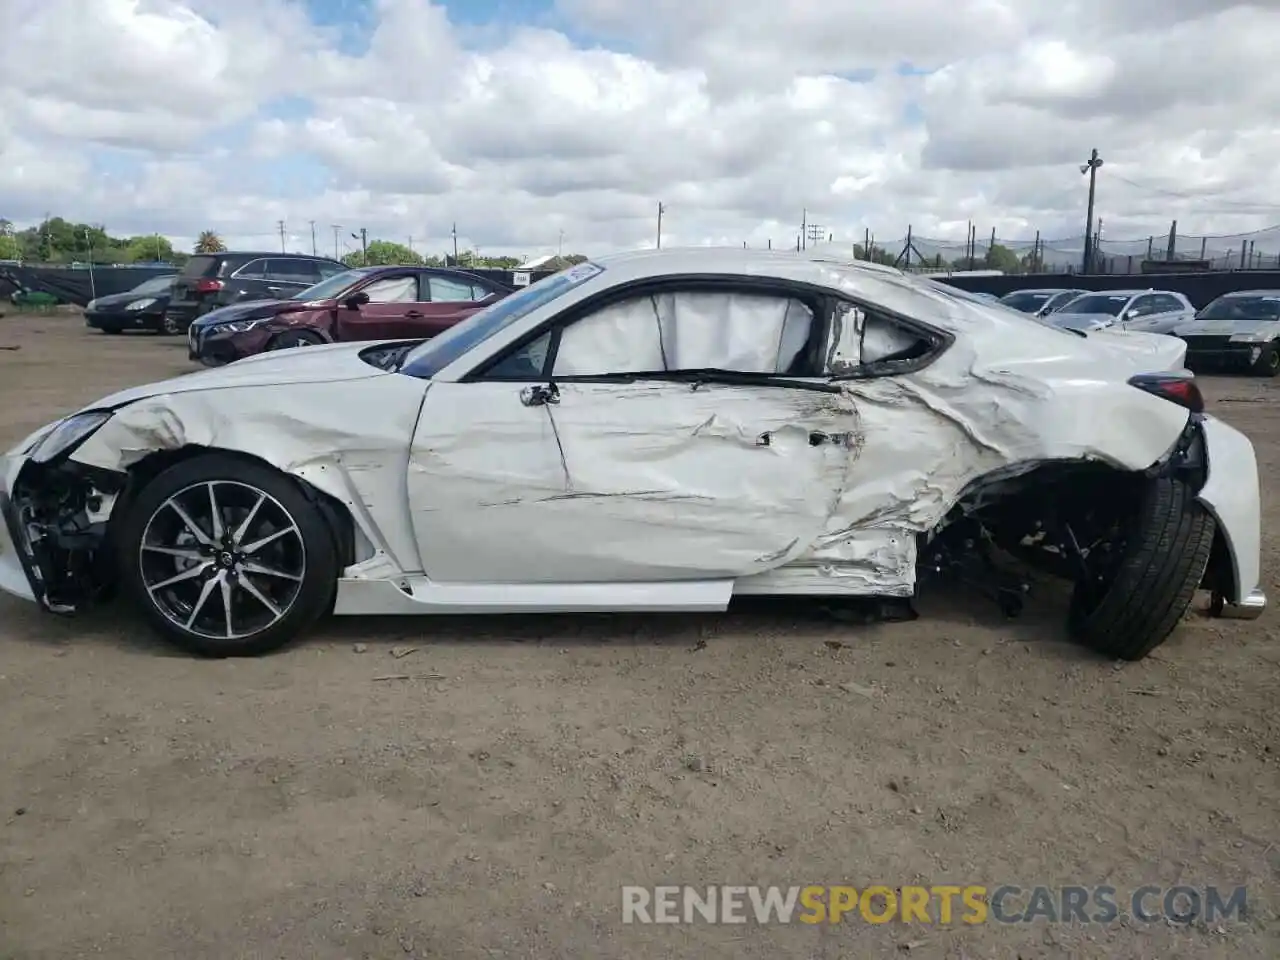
691, 443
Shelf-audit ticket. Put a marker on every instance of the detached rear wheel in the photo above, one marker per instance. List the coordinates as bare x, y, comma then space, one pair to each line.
226, 557
1130, 609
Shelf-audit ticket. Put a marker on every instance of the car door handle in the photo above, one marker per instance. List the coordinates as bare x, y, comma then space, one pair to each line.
414, 314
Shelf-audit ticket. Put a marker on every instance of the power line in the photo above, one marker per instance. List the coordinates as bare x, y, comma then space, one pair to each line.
1182, 195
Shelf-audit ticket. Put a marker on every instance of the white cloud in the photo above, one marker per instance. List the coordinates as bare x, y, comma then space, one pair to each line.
182, 115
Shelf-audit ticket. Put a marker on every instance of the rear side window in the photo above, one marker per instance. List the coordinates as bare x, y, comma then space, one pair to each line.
328, 270
293, 271
450, 290
253, 270
201, 266
1167, 303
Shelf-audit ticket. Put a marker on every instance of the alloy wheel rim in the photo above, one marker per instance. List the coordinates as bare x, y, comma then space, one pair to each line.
222, 560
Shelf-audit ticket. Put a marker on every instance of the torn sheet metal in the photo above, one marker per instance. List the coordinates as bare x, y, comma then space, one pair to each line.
639, 482
353, 450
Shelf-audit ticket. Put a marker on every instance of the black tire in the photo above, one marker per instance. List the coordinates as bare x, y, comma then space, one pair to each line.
315, 584
1158, 573
110, 331
294, 338
1268, 363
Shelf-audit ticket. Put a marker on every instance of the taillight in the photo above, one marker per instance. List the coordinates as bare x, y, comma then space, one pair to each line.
205, 285
1179, 388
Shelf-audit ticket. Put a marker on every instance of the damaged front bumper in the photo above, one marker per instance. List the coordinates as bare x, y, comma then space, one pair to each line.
54, 539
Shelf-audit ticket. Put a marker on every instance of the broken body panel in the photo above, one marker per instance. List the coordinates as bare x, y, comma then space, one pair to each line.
460, 495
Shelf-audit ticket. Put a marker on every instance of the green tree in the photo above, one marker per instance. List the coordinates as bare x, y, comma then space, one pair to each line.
878, 255
1000, 257
147, 249
382, 252
209, 242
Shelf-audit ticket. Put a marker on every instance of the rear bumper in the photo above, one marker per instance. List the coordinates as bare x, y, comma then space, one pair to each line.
1232, 494
130, 320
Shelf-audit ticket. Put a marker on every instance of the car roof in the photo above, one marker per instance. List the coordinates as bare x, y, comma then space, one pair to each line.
419, 268
1252, 293
276, 255
1045, 290
919, 296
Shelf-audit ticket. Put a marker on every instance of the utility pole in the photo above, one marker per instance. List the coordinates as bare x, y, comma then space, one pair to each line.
313, 238
411, 250
336, 246
661, 210
454, 233
560, 246
280, 224
1090, 168
364, 245
804, 228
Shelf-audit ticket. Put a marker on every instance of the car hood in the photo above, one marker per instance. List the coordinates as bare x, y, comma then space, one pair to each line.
326, 363
1081, 321
249, 310
118, 300
1204, 327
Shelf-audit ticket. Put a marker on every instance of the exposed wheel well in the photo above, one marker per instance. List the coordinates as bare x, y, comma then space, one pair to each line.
336, 515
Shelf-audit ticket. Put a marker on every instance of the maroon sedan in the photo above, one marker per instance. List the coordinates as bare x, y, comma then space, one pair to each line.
366, 303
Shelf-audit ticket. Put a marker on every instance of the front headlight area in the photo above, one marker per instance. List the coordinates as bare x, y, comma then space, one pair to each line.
1255, 336
66, 435
141, 304
60, 511
239, 326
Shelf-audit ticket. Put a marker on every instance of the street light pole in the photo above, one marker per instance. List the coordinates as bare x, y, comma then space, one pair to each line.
1091, 168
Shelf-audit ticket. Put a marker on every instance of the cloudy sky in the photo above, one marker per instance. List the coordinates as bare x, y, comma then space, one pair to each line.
520, 119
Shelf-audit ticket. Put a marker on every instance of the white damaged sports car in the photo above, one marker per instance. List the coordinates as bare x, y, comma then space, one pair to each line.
656, 431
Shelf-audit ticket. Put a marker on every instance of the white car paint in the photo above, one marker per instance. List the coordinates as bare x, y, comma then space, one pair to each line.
653, 495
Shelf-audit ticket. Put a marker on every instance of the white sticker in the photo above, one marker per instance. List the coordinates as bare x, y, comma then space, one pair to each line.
520, 279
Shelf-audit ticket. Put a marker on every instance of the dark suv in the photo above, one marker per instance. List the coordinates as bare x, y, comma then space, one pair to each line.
213, 280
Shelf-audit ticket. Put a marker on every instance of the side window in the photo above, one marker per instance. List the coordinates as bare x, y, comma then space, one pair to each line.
328, 270
527, 363
742, 332
253, 270
393, 290
1143, 307
863, 340
449, 290
1169, 303
293, 271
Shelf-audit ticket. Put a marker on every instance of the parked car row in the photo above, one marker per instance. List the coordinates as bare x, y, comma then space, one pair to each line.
233, 305
1237, 331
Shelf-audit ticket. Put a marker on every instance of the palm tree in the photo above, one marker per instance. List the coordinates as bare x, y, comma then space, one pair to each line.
210, 242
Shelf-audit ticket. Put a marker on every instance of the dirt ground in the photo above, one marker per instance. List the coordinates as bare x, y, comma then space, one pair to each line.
493, 804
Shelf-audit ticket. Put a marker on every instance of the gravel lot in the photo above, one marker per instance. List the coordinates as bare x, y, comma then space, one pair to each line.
494, 803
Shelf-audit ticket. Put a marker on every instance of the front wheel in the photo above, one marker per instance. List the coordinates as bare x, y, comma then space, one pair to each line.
226, 557
1131, 609
1268, 362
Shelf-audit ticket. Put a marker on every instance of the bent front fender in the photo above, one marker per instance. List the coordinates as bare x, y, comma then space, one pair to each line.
1232, 493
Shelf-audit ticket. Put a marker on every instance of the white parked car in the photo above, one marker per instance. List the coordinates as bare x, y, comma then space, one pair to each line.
1141, 311
656, 431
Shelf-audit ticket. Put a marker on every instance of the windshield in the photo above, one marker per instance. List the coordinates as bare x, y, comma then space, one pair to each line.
1109, 303
1028, 301
1244, 308
155, 285
331, 287
994, 303
430, 357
